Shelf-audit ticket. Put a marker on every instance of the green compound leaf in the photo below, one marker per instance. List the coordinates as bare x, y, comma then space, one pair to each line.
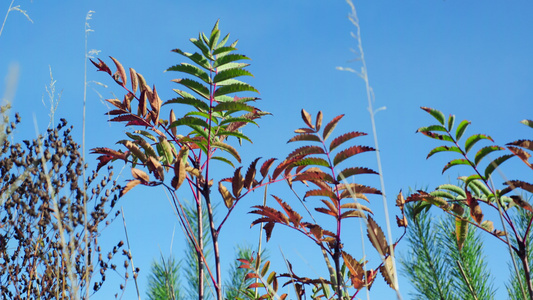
435, 113
495, 163
461, 129
442, 149
234, 88
193, 70
455, 162
484, 151
471, 141
194, 86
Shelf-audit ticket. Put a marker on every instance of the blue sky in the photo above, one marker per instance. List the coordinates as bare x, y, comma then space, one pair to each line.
469, 58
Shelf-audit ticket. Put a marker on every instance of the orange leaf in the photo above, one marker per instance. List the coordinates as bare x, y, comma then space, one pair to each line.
475, 209
250, 174
237, 183
226, 195
179, 174
266, 166
131, 184
139, 174
377, 237
120, 72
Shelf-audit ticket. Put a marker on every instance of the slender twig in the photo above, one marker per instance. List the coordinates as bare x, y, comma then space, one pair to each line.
130, 256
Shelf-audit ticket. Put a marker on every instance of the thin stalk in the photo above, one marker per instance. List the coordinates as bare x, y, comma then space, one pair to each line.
130, 257
200, 238
466, 279
364, 75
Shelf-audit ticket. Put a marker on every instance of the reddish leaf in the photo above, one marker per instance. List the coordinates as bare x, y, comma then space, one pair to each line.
307, 119
250, 174
344, 174
314, 174
343, 138
155, 166
527, 144
326, 211
104, 159
306, 150
347, 153
377, 237
120, 72
523, 204
331, 207
129, 117
266, 166
321, 192
356, 270
520, 184
318, 122
358, 188
305, 137
387, 271
237, 183
117, 103
294, 217
356, 206
270, 213
226, 195
475, 209
133, 77
352, 214
328, 129
316, 230
101, 66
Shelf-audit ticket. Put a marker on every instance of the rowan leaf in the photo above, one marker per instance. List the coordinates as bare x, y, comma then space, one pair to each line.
233, 106
266, 166
522, 203
221, 61
328, 129
377, 237
461, 129
356, 270
237, 183
488, 225
318, 122
471, 141
520, 184
304, 137
352, 214
320, 192
194, 86
179, 174
198, 104
229, 149
306, 150
442, 149
437, 136
193, 70
451, 120
435, 113
250, 174
349, 152
120, 72
131, 184
452, 188
496, 163
357, 206
343, 138
101, 66
461, 231
226, 195
431, 128
306, 117
230, 74
387, 271
294, 217
475, 209
527, 123
234, 88
346, 173
456, 162
326, 211
197, 58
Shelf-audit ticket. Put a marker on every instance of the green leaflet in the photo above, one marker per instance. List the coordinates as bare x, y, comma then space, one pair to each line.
451, 120
235, 134
484, 151
194, 86
205, 51
227, 148
455, 162
230, 74
146, 134
495, 163
453, 188
432, 128
197, 58
527, 123
189, 121
437, 136
442, 149
228, 59
435, 113
461, 129
233, 106
471, 179
193, 70
223, 159
234, 88
471, 141
442, 194
198, 104
222, 43
238, 119
202, 114
221, 51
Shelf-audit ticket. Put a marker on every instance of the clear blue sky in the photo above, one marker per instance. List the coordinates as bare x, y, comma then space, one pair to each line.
470, 58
